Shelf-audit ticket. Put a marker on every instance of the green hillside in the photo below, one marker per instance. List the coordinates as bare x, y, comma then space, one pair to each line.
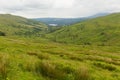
15, 25
36, 58
39, 59
99, 31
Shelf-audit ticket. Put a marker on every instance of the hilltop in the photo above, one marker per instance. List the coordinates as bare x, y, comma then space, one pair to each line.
98, 31
16, 25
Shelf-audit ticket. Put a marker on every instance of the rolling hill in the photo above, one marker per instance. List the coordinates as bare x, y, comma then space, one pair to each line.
99, 31
15, 25
37, 58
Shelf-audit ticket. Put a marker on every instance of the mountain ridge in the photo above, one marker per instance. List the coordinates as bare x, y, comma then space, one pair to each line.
67, 21
16, 25
99, 31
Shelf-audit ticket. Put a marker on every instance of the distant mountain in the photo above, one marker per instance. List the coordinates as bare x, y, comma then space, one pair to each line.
60, 21
98, 31
67, 21
16, 25
98, 15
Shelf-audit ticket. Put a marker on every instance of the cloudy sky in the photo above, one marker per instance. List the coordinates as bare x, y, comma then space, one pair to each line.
58, 8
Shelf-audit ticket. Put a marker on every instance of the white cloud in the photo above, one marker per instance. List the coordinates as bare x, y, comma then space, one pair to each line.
63, 3
58, 8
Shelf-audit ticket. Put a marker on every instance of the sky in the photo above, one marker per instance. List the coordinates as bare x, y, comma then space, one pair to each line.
58, 8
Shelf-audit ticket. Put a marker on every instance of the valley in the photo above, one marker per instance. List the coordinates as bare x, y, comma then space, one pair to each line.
87, 50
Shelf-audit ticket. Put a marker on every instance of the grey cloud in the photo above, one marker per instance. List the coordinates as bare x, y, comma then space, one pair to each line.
58, 8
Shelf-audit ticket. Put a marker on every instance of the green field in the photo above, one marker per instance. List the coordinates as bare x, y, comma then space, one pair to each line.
83, 51
40, 59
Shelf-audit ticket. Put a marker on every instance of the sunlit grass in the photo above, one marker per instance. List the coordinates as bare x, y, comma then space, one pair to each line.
25, 59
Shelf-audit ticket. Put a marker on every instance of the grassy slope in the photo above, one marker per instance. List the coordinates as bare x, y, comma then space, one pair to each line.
99, 31
40, 59
35, 58
15, 25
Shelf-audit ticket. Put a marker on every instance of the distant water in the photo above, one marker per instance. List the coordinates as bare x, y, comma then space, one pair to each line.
53, 24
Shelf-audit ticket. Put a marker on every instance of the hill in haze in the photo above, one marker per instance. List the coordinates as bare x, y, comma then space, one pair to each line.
15, 25
59, 21
66, 21
99, 31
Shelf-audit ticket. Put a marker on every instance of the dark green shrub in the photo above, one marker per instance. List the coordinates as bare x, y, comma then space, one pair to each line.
2, 34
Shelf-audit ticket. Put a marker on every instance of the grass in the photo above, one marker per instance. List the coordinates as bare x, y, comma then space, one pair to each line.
105, 66
24, 55
82, 74
4, 63
101, 31
40, 59
50, 70
11, 25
